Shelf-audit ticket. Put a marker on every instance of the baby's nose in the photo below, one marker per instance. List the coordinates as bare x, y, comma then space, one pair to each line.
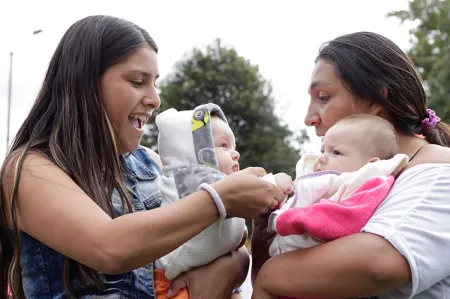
323, 159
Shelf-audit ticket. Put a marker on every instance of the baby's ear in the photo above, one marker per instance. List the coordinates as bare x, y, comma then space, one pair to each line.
374, 159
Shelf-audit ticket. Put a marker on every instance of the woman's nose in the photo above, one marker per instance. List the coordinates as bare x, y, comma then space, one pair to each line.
312, 117
152, 98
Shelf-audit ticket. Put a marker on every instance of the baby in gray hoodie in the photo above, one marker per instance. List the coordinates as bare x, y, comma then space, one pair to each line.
197, 147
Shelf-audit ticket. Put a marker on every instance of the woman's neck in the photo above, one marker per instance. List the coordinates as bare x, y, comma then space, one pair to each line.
409, 145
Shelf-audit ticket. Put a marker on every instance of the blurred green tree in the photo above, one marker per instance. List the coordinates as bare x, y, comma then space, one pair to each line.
430, 48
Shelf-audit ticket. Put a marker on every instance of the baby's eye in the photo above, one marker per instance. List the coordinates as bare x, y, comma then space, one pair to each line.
336, 152
224, 145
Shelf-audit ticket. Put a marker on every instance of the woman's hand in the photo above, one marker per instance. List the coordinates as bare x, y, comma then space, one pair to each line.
215, 280
244, 194
261, 240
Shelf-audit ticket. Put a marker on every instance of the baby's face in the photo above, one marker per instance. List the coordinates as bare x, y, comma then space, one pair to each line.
225, 146
342, 150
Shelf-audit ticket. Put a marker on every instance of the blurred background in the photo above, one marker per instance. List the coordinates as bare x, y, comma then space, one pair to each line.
253, 58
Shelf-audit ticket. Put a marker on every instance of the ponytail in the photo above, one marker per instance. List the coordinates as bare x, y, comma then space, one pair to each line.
439, 135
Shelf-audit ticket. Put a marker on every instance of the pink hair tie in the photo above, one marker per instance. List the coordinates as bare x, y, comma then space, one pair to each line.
430, 122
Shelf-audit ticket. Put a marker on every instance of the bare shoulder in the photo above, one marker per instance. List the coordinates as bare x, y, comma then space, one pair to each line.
18, 163
30, 175
436, 154
31, 170
53, 209
154, 156
432, 153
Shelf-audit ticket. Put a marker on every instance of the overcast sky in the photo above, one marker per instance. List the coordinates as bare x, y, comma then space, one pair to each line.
283, 39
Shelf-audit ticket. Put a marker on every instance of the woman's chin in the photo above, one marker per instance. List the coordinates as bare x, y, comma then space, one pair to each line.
320, 133
129, 147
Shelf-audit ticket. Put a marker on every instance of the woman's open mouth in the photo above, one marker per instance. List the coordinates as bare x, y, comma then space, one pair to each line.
138, 121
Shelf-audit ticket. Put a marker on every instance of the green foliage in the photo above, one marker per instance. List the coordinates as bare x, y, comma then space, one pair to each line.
430, 49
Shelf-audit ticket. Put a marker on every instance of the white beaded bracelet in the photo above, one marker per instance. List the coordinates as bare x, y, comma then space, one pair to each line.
217, 200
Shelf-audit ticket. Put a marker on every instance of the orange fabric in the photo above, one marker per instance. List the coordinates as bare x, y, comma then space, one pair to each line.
162, 285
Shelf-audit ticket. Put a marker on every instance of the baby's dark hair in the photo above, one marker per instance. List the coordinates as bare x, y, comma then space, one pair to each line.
379, 135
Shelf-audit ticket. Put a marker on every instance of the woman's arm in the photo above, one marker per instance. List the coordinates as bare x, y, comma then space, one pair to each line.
358, 265
217, 279
403, 246
241, 261
260, 245
54, 210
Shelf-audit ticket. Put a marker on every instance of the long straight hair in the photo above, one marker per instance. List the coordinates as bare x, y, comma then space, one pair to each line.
68, 124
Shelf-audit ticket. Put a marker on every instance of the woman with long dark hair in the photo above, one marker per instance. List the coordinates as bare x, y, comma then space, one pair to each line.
79, 197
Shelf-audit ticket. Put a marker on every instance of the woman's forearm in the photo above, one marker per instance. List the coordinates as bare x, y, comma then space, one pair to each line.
260, 249
358, 265
140, 238
259, 257
241, 261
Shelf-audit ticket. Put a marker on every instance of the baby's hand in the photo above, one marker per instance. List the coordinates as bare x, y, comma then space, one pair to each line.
285, 183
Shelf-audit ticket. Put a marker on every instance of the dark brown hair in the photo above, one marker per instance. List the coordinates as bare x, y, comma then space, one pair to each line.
368, 63
68, 124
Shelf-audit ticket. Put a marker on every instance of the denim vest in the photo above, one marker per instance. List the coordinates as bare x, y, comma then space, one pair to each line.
42, 267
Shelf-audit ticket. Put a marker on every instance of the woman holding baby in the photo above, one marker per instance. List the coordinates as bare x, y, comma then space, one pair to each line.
402, 250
